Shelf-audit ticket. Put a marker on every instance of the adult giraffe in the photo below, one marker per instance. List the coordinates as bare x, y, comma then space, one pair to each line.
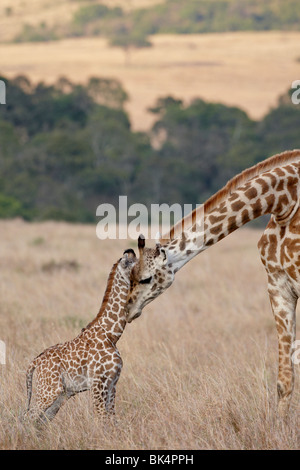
270, 187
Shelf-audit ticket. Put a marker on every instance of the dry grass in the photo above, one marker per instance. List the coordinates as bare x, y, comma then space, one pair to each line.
199, 364
248, 69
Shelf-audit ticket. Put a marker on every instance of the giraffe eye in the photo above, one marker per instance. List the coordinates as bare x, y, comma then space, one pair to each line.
146, 281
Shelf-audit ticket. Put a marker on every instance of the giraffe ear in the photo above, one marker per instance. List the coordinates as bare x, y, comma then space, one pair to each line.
130, 254
128, 258
162, 252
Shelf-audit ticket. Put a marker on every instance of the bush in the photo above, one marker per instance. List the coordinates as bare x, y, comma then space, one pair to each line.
90, 13
10, 207
40, 33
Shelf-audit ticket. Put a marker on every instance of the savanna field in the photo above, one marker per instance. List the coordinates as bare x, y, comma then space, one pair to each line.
200, 364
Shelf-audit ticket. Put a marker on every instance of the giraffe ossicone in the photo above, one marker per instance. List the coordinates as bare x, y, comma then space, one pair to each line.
91, 361
270, 187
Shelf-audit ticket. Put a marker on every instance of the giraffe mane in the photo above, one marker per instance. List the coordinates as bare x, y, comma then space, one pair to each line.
234, 183
107, 292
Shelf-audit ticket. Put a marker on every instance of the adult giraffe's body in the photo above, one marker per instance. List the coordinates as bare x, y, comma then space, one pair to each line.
270, 187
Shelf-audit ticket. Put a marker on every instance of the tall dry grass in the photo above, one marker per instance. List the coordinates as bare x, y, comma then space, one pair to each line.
199, 365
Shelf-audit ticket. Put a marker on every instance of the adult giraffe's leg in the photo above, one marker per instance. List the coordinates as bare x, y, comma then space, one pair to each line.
283, 302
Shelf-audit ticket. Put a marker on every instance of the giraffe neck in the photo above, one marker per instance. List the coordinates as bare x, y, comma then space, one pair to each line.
275, 192
111, 319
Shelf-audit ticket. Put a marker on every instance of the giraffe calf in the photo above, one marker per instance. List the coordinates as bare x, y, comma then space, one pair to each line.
91, 361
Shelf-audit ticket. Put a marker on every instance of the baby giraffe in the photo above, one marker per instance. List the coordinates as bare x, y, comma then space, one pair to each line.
91, 361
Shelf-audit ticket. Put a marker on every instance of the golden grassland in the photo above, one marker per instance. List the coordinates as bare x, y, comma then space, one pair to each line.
200, 364
245, 69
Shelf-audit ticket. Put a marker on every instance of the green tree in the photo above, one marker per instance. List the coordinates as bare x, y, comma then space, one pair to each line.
199, 144
128, 38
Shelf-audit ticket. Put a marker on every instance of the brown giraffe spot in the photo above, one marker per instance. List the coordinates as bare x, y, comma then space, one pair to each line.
114, 317
214, 219
271, 270
231, 224
245, 216
292, 272
256, 209
280, 330
270, 201
281, 314
280, 322
292, 187
182, 245
282, 203
237, 206
272, 248
209, 242
264, 185
272, 224
216, 230
279, 172
251, 193
222, 209
272, 178
280, 185
289, 169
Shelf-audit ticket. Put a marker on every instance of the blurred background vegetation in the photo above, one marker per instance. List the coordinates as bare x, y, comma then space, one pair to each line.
132, 27
66, 148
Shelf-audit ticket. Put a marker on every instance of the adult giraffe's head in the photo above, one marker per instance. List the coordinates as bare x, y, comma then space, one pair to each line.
150, 277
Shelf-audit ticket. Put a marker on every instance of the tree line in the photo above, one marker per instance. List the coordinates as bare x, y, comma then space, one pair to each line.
66, 148
133, 28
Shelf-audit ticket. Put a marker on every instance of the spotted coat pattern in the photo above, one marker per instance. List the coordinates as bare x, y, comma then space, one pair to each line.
91, 361
271, 187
